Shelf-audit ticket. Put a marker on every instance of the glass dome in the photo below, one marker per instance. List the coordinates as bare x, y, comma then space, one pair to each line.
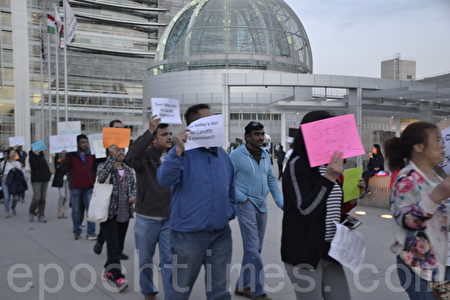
222, 34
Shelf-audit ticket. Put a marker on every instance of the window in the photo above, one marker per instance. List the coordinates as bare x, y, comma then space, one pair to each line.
276, 117
235, 116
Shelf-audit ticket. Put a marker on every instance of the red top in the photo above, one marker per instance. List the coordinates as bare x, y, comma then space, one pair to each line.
82, 175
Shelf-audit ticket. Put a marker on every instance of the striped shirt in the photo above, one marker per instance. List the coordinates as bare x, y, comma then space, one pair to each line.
333, 208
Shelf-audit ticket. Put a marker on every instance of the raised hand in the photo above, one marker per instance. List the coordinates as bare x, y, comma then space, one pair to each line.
335, 167
153, 124
180, 140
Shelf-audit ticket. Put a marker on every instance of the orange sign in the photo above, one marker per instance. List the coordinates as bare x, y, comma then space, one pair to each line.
116, 136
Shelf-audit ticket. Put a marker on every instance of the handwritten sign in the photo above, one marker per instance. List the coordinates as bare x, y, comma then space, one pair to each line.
116, 136
65, 128
38, 146
16, 141
168, 110
324, 137
446, 138
96, 145
205, 132
59, 143
289, 140
351, 183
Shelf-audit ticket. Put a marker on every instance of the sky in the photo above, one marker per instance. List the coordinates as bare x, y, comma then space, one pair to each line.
352, 37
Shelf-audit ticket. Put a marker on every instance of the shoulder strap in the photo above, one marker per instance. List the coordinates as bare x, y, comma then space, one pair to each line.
4, 167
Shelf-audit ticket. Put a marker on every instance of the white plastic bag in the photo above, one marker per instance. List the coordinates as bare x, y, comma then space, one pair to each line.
100, 200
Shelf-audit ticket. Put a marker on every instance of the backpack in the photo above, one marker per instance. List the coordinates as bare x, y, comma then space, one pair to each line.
16, 182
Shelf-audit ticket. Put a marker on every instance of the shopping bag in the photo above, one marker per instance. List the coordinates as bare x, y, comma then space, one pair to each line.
99, 204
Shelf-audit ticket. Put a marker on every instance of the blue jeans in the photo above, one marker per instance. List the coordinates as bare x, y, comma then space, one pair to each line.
148, 233
253, 226
8, 199
416, 287
78, 199
191, 250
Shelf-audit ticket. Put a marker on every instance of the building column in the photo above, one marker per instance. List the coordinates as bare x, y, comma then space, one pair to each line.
283, 131
21, 53
226, 110
426, 111
355, 107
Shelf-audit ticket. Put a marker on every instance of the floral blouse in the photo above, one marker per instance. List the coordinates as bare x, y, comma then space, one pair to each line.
420, 224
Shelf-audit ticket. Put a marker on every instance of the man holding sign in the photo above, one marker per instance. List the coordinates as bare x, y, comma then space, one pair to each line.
202, 183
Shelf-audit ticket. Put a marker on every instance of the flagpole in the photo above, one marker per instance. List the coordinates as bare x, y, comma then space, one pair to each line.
49, 74
42, 85
58, 41
66, 96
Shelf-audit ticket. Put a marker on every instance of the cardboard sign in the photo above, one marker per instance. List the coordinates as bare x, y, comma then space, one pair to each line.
96, 145
168, 110
116, 136
38, 146
16, 141
59, 143
351, 183
65, 128
446, 139
324, 137
206, 132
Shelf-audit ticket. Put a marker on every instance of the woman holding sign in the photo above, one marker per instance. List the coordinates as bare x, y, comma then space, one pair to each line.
313, 203
418, 203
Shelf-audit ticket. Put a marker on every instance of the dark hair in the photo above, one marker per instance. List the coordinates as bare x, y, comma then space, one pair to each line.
160, 126
193, 111
397, 149
252, 126
81, 136
378, 147
111, 124
299, 142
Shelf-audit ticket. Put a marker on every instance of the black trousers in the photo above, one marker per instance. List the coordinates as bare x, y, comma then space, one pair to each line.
366, 176
114, 234
280, 171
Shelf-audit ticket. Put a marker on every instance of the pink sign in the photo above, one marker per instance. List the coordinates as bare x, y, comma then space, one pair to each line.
324, 137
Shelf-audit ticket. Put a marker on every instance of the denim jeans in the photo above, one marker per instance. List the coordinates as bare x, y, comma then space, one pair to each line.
415, 287
148, 233
253, 226
191, 250
78, 199
8, 199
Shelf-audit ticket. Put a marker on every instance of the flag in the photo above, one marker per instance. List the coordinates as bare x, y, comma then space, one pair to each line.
51, 24
58, 22
71, 23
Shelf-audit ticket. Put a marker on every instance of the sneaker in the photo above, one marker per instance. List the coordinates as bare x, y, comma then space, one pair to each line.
76, 236
42, 219
31, 218
123, 256
91, 237
121, 283
261, 297
98, 248
246, 292
150, 297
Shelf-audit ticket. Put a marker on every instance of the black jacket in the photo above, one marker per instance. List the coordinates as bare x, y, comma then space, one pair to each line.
40, 171
60, 172
303, 236
153, 200
16, 182
377, 161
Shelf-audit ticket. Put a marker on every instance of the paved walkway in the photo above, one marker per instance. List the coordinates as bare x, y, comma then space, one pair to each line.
42, 261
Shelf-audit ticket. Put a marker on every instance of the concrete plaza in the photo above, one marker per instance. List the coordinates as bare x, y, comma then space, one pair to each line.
55, 266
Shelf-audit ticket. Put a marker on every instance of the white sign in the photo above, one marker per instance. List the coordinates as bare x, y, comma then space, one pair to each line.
65, 128
446, 138
59, 143
289, 140
205, 132
16, 141
168, 110
348, 247
96, 145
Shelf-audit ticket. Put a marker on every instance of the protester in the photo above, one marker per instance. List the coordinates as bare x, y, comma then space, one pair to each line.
152, 206
40, 176
418, 205
60, 181
10, 163
376, 164
202, 185
119, 213
313, 202
253, 181
98, 246
82, 168
280, 159
22, 158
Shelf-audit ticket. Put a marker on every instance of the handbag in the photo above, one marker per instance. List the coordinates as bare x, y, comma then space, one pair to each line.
100, 200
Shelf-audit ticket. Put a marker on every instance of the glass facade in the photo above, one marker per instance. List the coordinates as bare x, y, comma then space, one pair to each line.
207, 34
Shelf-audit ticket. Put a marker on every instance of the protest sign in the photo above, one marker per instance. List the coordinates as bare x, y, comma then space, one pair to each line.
66, 128
289, 140
205, 132
446, 139
38, 146
116, 136
351, 183
168, 110
96, 145
16, 141
59, 143
324, 137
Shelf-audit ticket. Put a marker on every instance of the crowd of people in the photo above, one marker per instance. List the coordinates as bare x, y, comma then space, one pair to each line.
183, 201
